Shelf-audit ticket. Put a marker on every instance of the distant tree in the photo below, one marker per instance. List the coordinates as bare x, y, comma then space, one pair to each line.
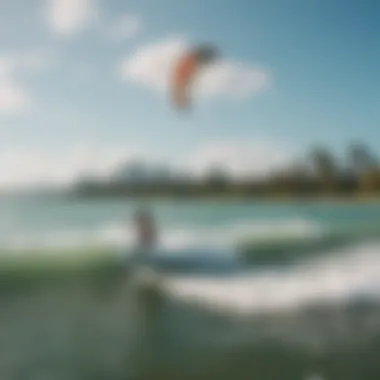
363, 164
360, 158
130, 172
325, 166
217, 175
290, 179
163, 173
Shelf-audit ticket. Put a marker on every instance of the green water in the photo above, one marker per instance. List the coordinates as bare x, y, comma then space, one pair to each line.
69, 310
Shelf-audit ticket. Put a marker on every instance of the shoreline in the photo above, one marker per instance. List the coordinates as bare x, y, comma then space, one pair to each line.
279, 199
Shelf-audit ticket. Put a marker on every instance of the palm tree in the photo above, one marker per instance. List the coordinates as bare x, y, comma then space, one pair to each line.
361, 158
363, 165
324, 164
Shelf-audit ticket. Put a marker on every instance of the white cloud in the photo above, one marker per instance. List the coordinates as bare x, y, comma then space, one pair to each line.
240, 159
13, 97
23, 166
67, 17
126, 27
6, 66
151, 66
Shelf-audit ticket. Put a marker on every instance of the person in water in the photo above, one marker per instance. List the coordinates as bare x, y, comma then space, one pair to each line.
145, 254
145, 230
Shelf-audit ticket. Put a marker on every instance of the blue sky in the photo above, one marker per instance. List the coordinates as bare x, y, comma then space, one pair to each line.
66, 79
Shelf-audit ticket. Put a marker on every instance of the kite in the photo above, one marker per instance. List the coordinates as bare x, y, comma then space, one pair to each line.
185, 71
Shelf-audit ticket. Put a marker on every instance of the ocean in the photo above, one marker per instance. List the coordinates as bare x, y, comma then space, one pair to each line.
247, 290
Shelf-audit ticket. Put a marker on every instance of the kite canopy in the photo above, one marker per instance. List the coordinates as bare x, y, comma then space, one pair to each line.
185, 71
206, 53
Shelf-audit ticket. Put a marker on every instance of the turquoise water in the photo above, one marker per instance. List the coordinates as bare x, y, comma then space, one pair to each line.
52, 221
200, 237
247, 290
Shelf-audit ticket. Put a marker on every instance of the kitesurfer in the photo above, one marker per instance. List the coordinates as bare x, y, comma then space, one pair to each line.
146, 233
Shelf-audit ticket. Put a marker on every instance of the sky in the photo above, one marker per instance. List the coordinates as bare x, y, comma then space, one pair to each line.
84, 83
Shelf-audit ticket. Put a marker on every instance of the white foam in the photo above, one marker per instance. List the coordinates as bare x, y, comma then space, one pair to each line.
331, 279
120, 235
271, 229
